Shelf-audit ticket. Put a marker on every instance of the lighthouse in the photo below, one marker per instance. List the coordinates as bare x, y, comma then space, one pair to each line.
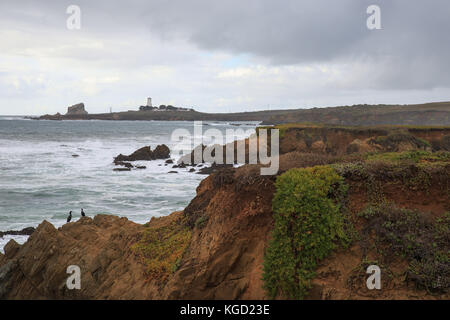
149, 102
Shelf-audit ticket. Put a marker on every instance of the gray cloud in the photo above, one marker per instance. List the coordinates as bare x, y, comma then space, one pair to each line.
180, 43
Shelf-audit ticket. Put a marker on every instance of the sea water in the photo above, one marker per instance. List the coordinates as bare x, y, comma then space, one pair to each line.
48, 168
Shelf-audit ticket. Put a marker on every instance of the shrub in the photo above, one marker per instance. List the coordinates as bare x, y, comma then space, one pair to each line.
424, 244
308, 221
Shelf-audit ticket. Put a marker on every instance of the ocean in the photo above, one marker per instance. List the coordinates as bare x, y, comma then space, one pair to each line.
48, 168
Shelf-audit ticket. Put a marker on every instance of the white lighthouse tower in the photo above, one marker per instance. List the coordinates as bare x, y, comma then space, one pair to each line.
149, 102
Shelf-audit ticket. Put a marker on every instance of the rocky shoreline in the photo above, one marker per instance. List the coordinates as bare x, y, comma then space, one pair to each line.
225, 231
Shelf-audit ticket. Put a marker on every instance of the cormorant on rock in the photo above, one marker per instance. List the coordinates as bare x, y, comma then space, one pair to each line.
69, 217
82, 213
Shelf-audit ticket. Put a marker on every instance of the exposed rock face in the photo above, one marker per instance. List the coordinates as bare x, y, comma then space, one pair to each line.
144, 153
99, 246
77, 109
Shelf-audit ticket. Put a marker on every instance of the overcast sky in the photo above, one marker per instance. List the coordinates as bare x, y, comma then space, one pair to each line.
221, 56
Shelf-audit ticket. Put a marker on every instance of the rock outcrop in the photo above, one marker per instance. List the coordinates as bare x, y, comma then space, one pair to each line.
144, 153
76, 109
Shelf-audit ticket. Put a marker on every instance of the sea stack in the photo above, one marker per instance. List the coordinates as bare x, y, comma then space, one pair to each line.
76, 109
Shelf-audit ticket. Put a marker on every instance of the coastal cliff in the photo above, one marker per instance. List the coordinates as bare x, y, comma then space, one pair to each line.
393, 200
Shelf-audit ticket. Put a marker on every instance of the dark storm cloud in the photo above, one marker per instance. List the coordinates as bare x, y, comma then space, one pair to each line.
411, 50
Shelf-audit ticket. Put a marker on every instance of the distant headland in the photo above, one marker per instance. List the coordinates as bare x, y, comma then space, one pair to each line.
429, 114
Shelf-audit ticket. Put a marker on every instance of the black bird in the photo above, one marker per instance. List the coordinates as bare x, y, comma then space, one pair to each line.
69, 217
82, 213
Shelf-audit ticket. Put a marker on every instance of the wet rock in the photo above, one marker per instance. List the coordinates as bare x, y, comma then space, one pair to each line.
75, 155
192, 170
145, 154
141, 167
214, 167
122, 169
172, 172
169, 161
125, 164
161, 152
24, 232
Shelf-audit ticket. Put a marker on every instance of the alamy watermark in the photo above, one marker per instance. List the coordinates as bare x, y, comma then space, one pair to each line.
374, 20
73, 22
74, 280
374, 281
261, 149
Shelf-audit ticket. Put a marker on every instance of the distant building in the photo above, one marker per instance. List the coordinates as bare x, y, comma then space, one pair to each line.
162, 107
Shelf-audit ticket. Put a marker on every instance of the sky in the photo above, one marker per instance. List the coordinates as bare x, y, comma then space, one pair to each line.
221, 56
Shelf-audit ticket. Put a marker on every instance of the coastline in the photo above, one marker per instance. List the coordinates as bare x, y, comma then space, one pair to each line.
437, 113
216, 247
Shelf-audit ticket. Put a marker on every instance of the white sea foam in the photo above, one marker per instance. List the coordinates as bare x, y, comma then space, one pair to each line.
40, 179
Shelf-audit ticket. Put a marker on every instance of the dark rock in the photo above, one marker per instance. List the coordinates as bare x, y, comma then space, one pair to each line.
122, 169
125, 164
146, 154
75, 155
141, 167
213, 168
172, 172
161, 152
192, 170
169, 161
24, 232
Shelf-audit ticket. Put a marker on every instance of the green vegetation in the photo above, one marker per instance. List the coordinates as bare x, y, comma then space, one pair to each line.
161, 249
425, 244
308, 221
415, 156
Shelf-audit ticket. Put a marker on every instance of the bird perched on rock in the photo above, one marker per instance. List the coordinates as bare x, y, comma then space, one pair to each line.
82, 213
69, 217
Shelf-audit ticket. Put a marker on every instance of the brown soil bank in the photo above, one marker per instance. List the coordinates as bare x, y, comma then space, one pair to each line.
339, 140
216, 248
